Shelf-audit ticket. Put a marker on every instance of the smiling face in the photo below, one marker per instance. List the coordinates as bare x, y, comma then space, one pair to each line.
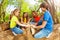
43, 9
25, 14
34, 13
17, 12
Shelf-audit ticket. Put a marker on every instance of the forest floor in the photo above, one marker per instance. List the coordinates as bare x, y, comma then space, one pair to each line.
8, 35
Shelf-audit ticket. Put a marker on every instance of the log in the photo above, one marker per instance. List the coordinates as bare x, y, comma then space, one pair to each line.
6, 35
4, 26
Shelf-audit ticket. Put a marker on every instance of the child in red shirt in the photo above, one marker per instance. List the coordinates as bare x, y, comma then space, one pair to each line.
36, 19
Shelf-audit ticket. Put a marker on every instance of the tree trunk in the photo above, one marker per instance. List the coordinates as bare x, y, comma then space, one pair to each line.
1, 11
52, 10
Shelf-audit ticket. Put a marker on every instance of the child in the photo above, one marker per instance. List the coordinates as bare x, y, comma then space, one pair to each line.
25, 19
47, 24
36, 19
14, 21
35, 16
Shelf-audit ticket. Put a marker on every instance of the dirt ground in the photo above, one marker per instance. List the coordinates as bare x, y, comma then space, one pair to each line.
8, 35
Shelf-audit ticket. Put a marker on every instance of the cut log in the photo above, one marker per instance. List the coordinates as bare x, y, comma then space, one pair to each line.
4, 26
6, 35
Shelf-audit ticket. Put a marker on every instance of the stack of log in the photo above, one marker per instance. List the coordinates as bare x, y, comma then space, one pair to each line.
5, 32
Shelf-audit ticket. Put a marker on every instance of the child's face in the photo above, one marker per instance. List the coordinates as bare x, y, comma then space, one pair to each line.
34, 14
26, 14
43, 9
17, 13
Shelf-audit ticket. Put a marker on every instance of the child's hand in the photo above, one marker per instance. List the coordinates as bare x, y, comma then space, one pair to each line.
27, 25
33, 26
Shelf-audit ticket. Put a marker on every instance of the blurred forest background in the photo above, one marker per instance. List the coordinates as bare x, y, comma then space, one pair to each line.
6, 6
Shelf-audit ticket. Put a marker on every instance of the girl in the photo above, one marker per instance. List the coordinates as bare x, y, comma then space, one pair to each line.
14, 21
25, 19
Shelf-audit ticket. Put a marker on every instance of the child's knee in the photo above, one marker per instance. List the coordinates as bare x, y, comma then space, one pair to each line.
21, 31
36, 36
18, 31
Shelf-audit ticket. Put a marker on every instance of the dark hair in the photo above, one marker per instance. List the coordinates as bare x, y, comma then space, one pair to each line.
34, 12
27, 17
44, 5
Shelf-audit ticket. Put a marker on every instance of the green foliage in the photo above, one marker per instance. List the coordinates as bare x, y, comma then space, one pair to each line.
58, 13
24, 7
7, 17
4, 5
40, 0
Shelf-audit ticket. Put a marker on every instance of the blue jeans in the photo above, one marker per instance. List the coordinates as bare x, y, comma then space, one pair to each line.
32, 22
42, 33
17, 30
